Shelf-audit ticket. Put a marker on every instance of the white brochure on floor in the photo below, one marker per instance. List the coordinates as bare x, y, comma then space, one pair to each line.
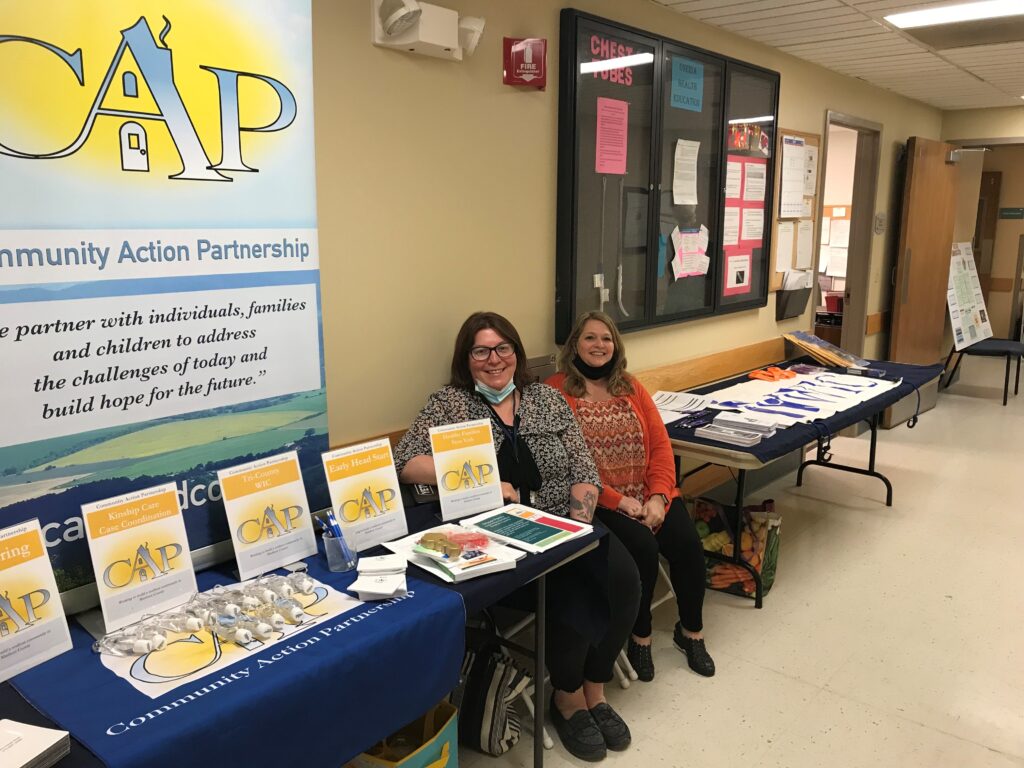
268, 513
140, 554
364, 493
33, 628
467, 468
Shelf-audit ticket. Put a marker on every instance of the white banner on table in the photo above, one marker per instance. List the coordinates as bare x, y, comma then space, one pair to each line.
140, 554
364, 493
33, 628
268, 513
467, 468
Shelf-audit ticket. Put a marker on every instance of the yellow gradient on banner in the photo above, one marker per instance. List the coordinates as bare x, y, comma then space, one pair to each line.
262, 479
123, 517
20, 549
45, 107
364, 461
468, 470
461, 438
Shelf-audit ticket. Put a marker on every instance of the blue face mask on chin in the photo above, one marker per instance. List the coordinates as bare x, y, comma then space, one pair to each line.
495, 396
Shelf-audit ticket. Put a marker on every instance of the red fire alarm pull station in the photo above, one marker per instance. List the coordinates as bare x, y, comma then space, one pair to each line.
526, 61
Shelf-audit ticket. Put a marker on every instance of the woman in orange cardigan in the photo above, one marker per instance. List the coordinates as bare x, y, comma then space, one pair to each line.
640, 502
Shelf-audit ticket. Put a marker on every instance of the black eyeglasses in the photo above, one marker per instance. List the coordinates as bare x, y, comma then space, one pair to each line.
503, 350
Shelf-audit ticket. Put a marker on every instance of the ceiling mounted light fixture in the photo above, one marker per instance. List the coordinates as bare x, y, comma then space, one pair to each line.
954, 14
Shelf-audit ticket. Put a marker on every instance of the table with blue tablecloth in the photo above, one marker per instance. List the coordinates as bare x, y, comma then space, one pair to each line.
310, 703
685, 443
323, 703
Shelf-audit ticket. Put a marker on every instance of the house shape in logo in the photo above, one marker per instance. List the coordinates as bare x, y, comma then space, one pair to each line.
134, 151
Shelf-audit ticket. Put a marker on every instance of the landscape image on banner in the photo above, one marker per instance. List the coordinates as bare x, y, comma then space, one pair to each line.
160, 309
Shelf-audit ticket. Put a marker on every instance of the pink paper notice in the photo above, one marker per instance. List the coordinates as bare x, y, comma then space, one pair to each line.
612, 135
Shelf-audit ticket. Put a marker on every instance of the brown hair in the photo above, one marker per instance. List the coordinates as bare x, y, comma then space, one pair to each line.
466, 338
619, 381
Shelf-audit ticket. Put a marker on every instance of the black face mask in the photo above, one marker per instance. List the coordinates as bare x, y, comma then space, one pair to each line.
592, 373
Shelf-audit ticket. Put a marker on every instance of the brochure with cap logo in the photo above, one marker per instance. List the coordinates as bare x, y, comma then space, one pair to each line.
268, 513
467, 468
140, 554
364, 493
33, 628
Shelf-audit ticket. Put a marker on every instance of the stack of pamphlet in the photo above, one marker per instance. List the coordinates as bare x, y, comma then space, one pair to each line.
731, 435
765, 424
526, 528
467, 564
29, 746
380, 578
673, 405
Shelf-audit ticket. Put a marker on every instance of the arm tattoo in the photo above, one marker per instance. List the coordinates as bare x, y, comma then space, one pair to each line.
583, 509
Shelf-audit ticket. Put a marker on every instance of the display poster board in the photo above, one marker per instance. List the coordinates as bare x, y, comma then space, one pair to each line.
140, 554
964, 299
268, 513
467, 468
365, 495
33, 627
159, 266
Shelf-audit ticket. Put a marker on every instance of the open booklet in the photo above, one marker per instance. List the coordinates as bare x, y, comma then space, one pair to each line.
467, 564
527, 529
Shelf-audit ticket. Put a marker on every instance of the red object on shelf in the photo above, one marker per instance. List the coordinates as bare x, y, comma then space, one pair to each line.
525, 61
834, 302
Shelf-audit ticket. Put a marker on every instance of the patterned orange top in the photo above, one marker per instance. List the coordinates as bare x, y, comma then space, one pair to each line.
616, 442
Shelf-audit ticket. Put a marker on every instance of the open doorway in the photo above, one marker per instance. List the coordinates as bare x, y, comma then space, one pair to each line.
851, 155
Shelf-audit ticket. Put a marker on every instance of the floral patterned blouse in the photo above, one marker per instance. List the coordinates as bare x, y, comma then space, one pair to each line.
546, 424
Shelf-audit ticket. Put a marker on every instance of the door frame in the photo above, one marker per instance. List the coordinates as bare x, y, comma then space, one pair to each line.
865, 190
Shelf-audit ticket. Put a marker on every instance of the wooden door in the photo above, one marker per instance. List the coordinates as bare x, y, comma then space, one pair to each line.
926, 240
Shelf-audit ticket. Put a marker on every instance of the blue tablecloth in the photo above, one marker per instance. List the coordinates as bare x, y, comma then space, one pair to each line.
799, 435
317, 706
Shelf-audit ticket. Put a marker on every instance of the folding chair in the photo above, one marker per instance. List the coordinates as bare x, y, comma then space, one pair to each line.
1007, 348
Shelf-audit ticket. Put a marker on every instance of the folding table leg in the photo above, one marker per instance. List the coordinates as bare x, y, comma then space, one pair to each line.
539, 661
945, 365
949, 379
1006, 379
1016, 383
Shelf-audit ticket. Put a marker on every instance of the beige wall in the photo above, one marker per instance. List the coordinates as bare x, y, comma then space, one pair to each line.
842, 159
436, 190
999, 123
1010, 162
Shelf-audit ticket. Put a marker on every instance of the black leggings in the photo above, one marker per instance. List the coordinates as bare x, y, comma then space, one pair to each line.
572, 657
678, 541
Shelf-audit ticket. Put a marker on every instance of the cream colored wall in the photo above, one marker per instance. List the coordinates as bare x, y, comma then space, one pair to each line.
436, 191
999, 123
1010, 162
842, 159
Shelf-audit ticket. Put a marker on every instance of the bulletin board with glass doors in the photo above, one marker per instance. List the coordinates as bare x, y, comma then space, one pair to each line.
665, 177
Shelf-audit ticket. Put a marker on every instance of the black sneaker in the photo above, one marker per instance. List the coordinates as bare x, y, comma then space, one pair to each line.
640, 658
696, 654
580, 734
613, 728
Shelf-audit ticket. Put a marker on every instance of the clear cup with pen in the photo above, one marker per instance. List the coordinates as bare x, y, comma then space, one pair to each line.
340, 556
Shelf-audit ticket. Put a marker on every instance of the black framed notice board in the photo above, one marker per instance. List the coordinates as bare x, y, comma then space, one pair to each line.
665, 177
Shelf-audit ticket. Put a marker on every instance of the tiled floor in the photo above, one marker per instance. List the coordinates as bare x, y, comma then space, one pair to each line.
892, 637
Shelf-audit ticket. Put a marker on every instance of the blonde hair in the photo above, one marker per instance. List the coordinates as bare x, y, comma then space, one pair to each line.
619, 381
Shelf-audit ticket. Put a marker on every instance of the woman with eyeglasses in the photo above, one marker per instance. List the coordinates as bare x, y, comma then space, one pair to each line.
640, 501
543, 462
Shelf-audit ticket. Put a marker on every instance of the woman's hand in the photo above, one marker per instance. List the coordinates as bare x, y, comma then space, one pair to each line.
631, 507
509, 494
654, 511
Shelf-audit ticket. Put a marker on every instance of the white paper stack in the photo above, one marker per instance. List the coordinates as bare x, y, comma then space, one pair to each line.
731, 435
29, 746
753, 422
380, 578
